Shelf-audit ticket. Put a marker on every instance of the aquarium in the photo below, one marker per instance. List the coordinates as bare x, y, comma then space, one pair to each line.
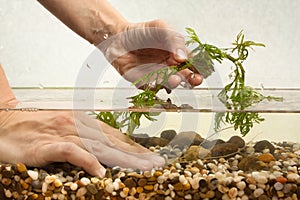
202, 161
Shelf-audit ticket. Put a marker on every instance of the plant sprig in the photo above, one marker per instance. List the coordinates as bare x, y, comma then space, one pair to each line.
236, 96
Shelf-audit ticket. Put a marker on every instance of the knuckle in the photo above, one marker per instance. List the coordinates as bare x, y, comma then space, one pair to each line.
63, 119
89, 163
66, 149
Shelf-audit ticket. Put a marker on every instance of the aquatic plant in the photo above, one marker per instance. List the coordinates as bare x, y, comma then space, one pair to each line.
236, 96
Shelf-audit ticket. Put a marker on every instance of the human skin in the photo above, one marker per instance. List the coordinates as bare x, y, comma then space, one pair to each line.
97, 20
39, 138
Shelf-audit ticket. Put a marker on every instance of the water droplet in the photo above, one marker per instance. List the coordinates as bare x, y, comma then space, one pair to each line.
107, 53
41, 86
105, 36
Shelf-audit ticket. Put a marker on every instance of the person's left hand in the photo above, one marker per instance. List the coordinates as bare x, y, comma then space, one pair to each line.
145, 47
42, 137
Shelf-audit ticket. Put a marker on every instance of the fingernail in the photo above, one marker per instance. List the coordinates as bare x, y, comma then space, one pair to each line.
101, 172
181, 54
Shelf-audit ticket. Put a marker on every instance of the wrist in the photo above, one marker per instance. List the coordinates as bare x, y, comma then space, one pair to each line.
100, 33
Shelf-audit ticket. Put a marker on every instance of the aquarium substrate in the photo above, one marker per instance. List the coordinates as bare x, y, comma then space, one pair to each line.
200, 170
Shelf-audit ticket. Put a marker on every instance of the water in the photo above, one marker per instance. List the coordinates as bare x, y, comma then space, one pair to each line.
192, 110
189, 111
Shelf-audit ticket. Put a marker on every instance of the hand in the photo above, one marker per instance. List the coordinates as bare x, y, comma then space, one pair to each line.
39, 138
146, 47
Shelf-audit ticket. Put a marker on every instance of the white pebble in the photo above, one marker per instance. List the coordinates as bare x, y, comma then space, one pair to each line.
33, 174
116, 185
244, 197
173, 194
252, 186
188, 173
233, 192
292, 177
44, 187
109, 188
161, 179
260, 177
278, 186
188, 196
123, 195
171, 187
241, 185
49, 179
292, 169
74, 186
241, 193
266, 151
177, 165
85, 181
199, 162
95, 180
183, 180
258, 192
57, 183
8, 193
81, 192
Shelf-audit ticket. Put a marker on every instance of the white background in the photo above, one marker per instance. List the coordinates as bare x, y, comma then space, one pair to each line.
38, 50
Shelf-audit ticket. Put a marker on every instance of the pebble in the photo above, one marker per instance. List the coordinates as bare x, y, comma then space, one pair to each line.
237, 140
264, 144
262, 175
33, 174
85, 181
278, 186
266, 157
258, 192
21, 167
241, 185
233, 192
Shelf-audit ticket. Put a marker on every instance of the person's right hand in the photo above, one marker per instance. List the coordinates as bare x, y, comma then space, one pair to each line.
143, 48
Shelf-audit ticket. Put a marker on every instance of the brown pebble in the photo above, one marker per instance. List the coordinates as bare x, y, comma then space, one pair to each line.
6, 181
237, 140
139, 190
7, 174
148, 187
266, 157
130, 183
168, 134
92, 188
21, 167
264, 144
194, 152
282, 180
250, 163
24, 184
224, 149
142, 182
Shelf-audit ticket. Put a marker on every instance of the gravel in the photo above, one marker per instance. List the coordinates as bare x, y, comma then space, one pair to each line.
261, 170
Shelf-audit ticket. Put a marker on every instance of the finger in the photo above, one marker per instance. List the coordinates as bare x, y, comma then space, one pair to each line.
194, 79
115, 157
70, 152
93, 129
